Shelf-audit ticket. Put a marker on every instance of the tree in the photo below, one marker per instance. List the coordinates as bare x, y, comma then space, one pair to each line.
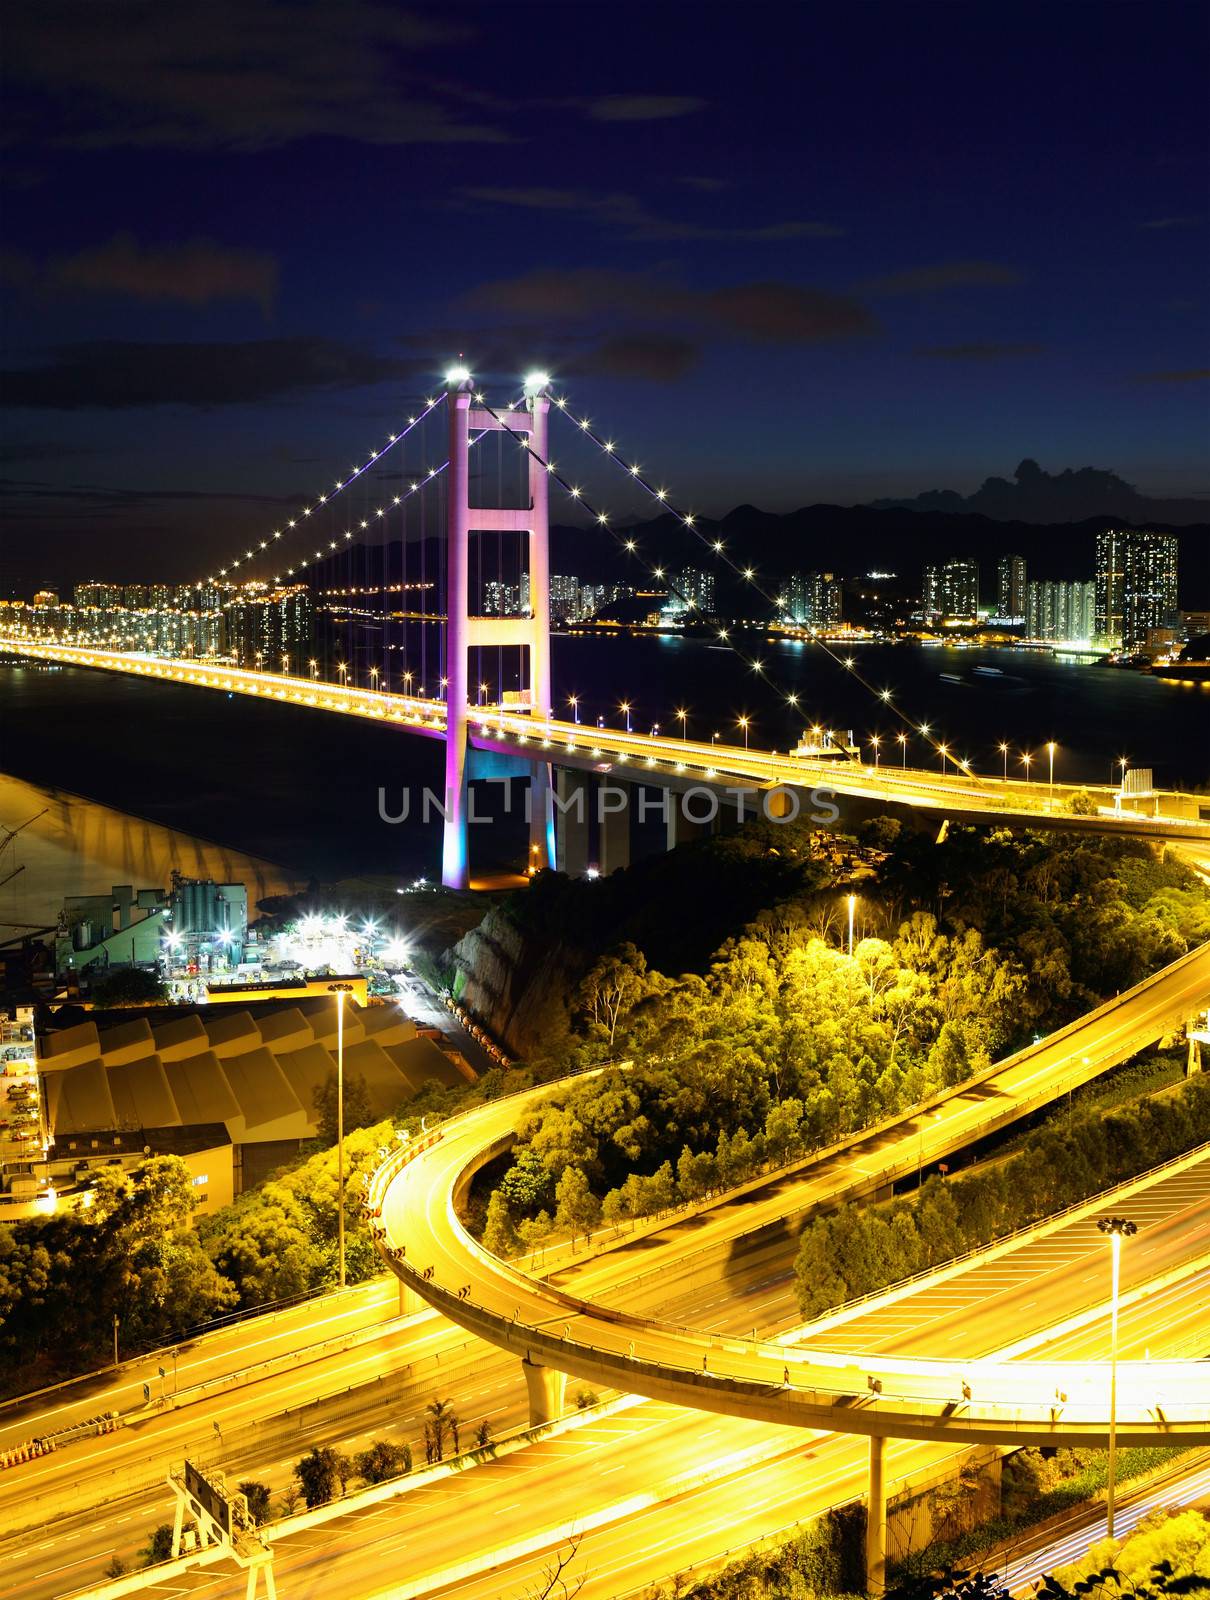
318, 1474
612, 988
257, 1496
358, 1109
499, 1235
159, 1545
483, 1435
577, 1208
127, 986
527, 1183
382, 1461
442, 1419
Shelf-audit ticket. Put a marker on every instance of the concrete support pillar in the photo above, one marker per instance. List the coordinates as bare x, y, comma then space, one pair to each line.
875, 1531
409, 1301
1193, 1061
542, 843
572, 795
455, 862
546, 1389
679, 827
614, 800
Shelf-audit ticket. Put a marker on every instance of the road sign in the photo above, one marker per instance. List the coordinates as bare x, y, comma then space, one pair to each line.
212, 1501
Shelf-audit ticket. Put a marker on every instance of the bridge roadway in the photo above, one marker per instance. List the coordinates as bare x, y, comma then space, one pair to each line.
554, 1332
665, 761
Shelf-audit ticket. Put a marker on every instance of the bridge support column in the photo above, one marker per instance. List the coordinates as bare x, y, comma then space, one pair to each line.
614, 800
680, 825
572, 793
455, 854
1193, 1061
875, 1529
542, 846
546, 1389
409, 1301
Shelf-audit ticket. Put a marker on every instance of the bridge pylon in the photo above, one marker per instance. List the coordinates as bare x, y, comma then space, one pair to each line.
465, 632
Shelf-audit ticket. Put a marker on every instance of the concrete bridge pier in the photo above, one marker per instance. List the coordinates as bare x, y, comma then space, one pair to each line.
409, 1301
1193, 1060
573, 791
546, 1389
695, 822
875, 1530
615, 801
543, 851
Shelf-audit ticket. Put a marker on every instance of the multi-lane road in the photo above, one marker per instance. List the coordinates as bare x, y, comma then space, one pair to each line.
653, 1490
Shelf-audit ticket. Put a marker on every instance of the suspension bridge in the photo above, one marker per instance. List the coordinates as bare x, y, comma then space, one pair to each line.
585, 781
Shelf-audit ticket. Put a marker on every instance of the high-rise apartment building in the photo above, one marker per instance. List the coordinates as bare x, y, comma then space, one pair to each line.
1135, 585
814, 599
1010, 591
951, 590
691, 589
1062, 612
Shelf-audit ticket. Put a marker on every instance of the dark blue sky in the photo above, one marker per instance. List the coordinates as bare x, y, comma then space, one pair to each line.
787, 253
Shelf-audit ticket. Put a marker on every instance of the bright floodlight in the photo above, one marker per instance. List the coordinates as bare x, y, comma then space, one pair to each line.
536, 382
458, 375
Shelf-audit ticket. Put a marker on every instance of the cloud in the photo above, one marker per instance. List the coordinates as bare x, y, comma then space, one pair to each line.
258, 75
193, 274
643, 107
945, 275
118, 374
979, 352
774, 311
625, 212
660, 357
1171, 222
1178, 375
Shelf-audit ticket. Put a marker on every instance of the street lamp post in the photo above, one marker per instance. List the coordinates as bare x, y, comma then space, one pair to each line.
340, 990
625, 706
1050, 799
743, 723
1004, 753
1117, 1229
852, 909
1026, 758
875, 741
902, 738
683, 719
573, 701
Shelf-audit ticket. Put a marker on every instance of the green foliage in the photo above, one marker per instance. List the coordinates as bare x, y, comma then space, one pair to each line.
826, 1559
860, 1249
358, 1111
133, 1254
280, 1240
499, 1234
321, 1474
382, 1461
787, 1043
159, 1545
127, 986
577, 1209
257, 1496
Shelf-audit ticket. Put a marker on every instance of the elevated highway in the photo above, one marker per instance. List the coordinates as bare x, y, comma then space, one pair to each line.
412, 1202
741, 778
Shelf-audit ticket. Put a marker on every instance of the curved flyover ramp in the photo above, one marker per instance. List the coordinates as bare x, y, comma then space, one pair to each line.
412, 1203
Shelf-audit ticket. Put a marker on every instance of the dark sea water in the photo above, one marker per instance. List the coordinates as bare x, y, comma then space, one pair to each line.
301, 789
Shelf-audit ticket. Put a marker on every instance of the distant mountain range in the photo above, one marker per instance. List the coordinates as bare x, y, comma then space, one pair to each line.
1034, 495
852, 540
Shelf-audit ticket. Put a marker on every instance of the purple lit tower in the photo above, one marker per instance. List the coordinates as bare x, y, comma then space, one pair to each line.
464, 632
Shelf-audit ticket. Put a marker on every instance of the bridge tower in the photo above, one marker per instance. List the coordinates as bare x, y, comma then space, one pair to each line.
465, 632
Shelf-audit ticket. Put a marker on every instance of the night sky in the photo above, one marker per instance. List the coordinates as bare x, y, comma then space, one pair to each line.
786, 253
